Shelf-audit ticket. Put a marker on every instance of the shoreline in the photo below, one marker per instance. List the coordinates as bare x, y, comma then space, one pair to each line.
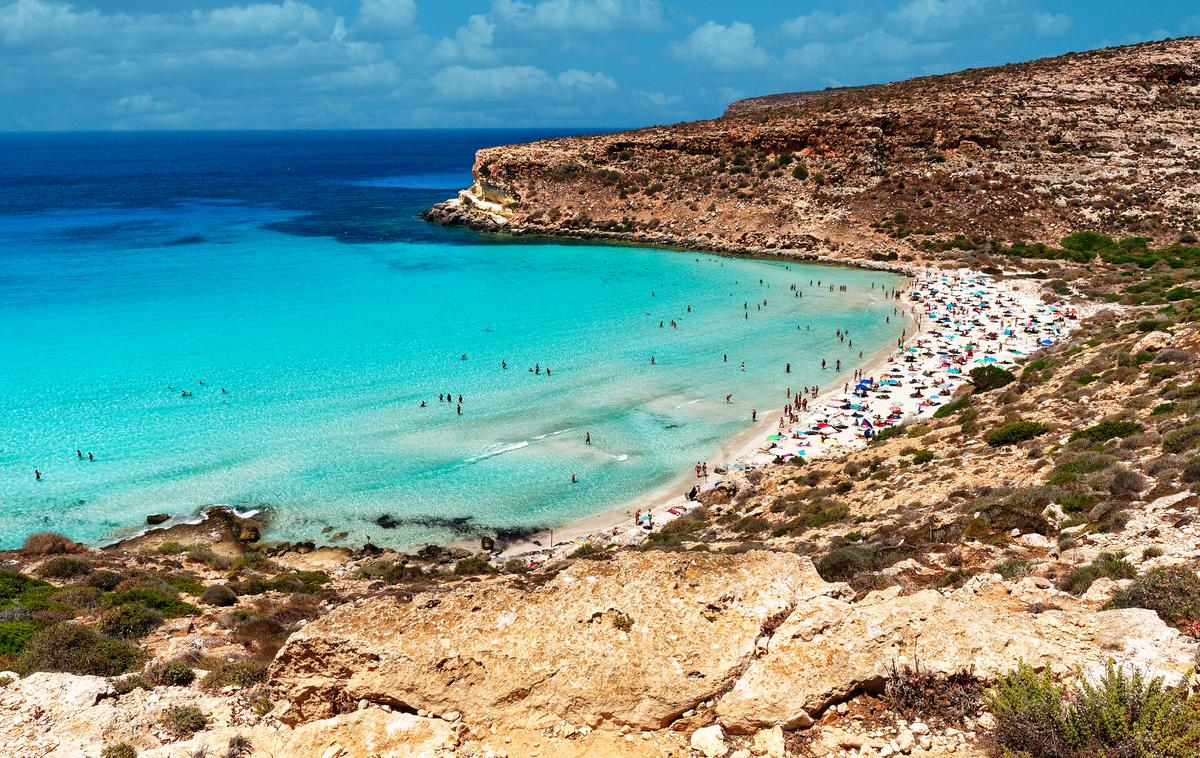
743, 443
741, 446
612, 524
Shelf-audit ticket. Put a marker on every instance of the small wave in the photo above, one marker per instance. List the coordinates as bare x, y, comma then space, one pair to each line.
498, 450
690, 402
620, 458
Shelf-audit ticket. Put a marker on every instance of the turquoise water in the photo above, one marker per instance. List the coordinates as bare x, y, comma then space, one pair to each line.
307, 357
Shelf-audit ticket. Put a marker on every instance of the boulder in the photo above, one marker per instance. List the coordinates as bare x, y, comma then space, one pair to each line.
157, 518
370, 732
828, 649
768, 742
709, 741
633, 641
1152, 342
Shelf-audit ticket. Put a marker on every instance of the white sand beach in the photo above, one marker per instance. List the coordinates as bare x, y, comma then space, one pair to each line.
962, 319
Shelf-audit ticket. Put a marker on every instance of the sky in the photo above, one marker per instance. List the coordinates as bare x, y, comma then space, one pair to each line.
306, 64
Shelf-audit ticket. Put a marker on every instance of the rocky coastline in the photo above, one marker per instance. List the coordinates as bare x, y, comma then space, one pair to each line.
952, 587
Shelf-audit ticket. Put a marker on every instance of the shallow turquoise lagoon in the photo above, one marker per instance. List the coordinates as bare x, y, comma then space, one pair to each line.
305, 359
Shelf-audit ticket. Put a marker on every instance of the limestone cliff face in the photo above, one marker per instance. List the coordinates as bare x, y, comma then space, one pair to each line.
645, 640
1032, 151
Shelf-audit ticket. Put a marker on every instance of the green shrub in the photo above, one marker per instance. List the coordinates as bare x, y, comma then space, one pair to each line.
591, 551
888, 433
14, 584
239, 674
218, 594
129, 622
988, 378
14, 635
1159, 373
1163, 409
1070, 470
1173, 592
1181, 439
77, 649
953, 407
922, 456
104, 579
64, 567
1013, 568
1018, 431
186, 582
1106, 430
171, 673
1110, 565
1120, 714
306, 582
170, 548
844, 563
1088, 242
126, 684
183, 721
474, 565
119, 750
157, 600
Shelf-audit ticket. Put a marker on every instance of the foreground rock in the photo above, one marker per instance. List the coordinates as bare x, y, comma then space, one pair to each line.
830, 650
641, 639
634, 641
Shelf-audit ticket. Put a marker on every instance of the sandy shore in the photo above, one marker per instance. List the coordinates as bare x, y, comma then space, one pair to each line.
962, 319
615, 525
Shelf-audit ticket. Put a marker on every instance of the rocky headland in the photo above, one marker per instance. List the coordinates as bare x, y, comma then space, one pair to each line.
948, 588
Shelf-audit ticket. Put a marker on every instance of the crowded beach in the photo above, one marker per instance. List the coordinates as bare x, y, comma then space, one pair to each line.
963, 320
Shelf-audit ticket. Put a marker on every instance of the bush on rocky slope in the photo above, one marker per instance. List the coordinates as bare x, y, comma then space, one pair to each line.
1117, 714
77, 650
1018, 431
1173, 592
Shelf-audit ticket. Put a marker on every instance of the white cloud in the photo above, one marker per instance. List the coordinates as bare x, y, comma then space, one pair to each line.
811, 55
516, 82
287, 20
29, 22
1051, 24
385, 18
580, 15
472, 41
819, 24
574, 79
497, 83
725, 48
937, 18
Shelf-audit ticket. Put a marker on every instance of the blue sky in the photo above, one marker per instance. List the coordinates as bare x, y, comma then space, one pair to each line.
203, 64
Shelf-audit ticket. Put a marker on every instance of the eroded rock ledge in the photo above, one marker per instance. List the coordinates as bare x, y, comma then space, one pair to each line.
637, 641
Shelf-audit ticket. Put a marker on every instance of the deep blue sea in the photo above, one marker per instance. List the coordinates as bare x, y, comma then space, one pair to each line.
254, 319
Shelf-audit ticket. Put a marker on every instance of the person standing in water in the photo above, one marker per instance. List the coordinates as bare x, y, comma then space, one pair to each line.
587, 438
37, 475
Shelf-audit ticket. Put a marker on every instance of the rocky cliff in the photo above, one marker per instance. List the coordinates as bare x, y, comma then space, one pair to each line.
1033, 151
